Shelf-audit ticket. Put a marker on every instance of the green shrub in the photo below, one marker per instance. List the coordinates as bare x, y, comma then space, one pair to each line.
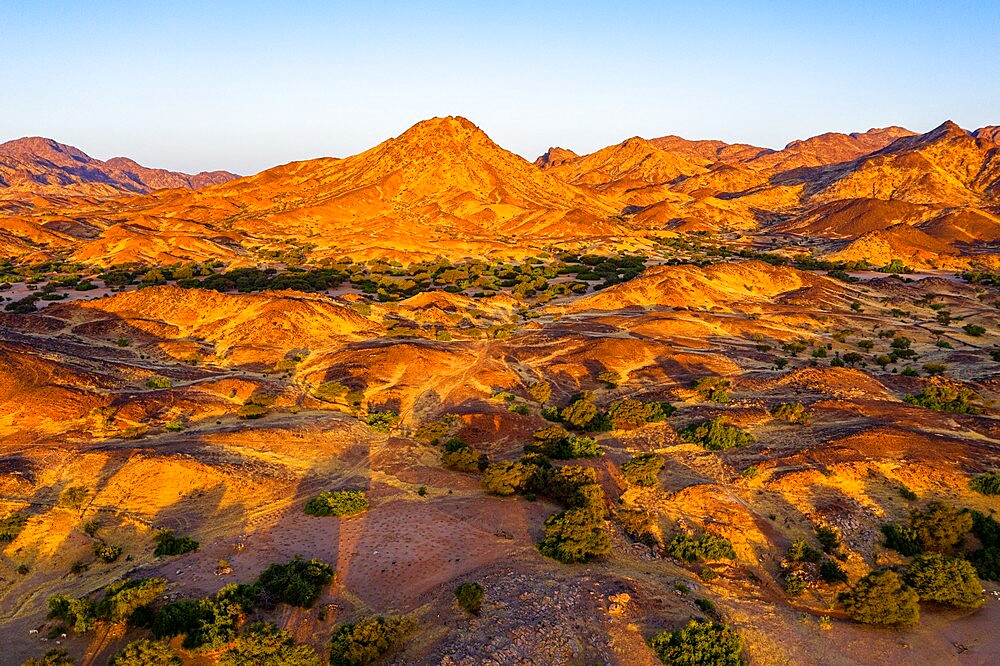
383, 421
832, 573
987, 562
364, 641
942, 398
792, 412
509, 478
628, 414
540, 391
714, 389
829, 538
73, 497
331, 392
800, 551
707, 574
882, 597
638, 524
296, 583
12, 525
986, 484
470, 597
941, 527
263, 644
145, 652
945, 580
461, 457
118, 604
699, 643
795, 584
582, 413
715, 435
107, 553
337, 503
168, 544
555, 442
974, 330
642, 470
54, 657
575, 535
251, 411
902, 539
709, 547
159, 383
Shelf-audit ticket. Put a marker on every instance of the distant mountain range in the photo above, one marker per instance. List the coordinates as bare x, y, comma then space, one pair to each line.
443, 188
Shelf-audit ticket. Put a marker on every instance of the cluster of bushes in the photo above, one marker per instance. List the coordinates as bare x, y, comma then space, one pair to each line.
461, 457
642, 470
583, 415
803, 563
709, 547
699, 642
210, 622
119, 603
792, 412
715, 435
986, 484
944, 398
337, 503
365, 640
639, 525
383, 421
574, 535
338, 393
167, 544
712, 388
145, 652
555, 442
939, 528
264, 644
256, 406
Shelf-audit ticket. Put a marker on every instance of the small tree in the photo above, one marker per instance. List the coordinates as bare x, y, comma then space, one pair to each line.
540, 392
699, 643
714, 389
715, 435
364, 641
470, 597
642, 470
263, 644
575, 535
882, 597
946, 580
337, 503
145, 652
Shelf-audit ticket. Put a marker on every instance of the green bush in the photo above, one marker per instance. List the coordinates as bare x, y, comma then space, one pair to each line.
709, 547
54, 657
628, 414
715, 435
942, 398
714, 389
941, 527
945, 580
795, 584
901, 538
159, 383
11, 526
145, 652
251, 411
699, 643
792, 412
987, 562
520, 476
986, 484
470, 597
461, 457
829, 538
73, 497
638, 524
882, 597
555, 442
575, 535
263, 644
832, 573
582, 414
118, 604
107, 553
540, 391
168, 544
364, 641
383, 421
337, 503
800, 551
642, 470
974, 330
296, 583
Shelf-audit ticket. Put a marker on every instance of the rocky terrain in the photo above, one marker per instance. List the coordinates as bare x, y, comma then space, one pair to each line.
803, 343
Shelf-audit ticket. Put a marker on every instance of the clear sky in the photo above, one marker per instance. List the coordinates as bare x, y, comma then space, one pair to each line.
248, 85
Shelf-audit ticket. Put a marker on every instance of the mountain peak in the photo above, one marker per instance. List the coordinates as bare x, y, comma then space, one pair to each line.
42, 147
946, 129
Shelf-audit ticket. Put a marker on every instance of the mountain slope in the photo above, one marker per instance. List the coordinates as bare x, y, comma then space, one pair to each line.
36, 165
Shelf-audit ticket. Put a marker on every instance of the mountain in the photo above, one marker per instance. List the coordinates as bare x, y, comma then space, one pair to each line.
441, 188
36, 165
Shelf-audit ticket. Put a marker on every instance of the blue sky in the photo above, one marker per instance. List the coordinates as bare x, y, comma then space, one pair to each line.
244, 86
